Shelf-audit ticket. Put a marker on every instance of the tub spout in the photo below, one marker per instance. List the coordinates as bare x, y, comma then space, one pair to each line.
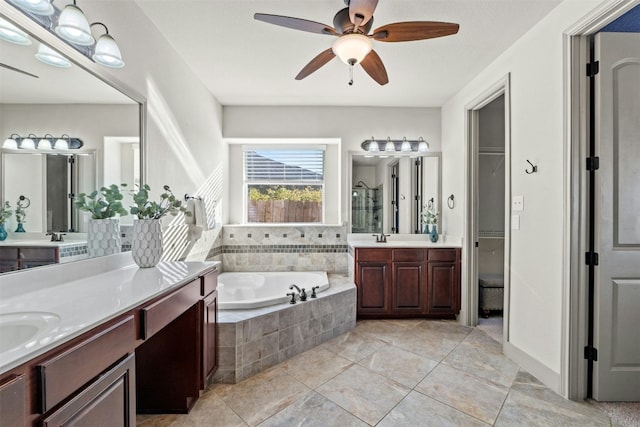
296, 288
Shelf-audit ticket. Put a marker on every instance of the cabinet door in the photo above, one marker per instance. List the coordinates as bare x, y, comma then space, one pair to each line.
109, 401
209, 337
373, 289
444, 287
12, 401
408, 288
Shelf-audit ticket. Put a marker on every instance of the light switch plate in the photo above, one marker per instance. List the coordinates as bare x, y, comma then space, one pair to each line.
515, 222
517, 203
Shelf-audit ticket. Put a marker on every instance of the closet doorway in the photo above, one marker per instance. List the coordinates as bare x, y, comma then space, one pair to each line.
488, 212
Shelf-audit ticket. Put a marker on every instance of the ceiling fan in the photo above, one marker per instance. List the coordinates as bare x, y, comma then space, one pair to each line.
354, 43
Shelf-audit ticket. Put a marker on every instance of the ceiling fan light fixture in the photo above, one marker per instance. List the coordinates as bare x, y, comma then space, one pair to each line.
37, 7
51, 57
74, 27
13, 34
352, 48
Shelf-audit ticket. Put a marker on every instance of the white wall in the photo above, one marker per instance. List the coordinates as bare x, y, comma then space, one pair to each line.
184, 146
351, 124
536, 66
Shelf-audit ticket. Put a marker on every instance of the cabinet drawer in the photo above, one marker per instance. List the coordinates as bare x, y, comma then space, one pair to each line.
62, 375
9, 254
159, 314
442, 254
408, 254
209, 283
366, 254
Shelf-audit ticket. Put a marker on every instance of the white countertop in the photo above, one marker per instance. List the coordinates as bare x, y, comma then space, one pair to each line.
40, 240
83, 295
403, 241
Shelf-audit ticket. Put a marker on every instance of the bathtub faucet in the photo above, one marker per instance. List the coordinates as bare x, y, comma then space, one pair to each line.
294, 286
303, 295
313, 291
293, 297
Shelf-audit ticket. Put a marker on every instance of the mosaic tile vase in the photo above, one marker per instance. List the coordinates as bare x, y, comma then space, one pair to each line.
146, 242
103, 237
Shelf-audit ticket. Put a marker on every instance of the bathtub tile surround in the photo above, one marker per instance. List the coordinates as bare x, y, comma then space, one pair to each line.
284, 248
254, 340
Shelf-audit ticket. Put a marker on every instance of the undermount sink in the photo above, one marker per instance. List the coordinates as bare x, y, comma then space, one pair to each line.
17, 329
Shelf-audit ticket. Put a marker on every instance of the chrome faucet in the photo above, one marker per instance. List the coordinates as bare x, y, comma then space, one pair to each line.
56, 237
302, 294
294, 286
381, 238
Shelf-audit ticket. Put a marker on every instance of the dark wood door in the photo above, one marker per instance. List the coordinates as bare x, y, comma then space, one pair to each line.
108, 402
408, 287
444, 287
373, 287
209, 337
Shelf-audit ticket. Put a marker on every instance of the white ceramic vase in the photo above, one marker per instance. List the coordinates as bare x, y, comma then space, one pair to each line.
103, 237
146, 242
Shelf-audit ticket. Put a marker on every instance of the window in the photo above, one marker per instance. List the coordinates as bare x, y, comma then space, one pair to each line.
284, 185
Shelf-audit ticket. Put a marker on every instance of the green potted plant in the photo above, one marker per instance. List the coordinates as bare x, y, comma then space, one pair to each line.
5, 214
430, 218
103, 234
146, 243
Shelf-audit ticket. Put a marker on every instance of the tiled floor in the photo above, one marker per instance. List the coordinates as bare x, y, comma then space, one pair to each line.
390, 373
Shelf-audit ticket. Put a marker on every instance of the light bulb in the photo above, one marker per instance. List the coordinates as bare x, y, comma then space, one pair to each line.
74, 27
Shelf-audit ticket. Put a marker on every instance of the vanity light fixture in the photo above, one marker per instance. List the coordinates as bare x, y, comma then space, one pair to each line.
65, 142
51, 57
73, 26
404, 147
13, 34
37, 7
107, 52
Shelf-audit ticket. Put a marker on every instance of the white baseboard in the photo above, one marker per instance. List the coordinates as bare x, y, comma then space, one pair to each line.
543, 373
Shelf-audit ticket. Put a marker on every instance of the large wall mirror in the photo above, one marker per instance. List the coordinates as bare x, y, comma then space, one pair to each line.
388, 194
78, 101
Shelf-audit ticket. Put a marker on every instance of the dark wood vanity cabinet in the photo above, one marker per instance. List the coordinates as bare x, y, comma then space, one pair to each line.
17, 258
407, 282
12, 401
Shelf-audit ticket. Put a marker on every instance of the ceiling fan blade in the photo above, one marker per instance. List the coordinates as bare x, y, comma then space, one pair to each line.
373, 65
316, 63
296, 23
416, 30
361, 10
17, 70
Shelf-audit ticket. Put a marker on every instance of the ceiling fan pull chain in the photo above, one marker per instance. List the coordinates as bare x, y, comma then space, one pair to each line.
350, 75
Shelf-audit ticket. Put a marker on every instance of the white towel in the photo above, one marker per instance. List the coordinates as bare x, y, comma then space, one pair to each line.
198, 215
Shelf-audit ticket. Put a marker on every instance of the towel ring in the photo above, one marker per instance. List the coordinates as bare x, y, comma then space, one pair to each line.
187, 197
430, 203
21, 199
451, 202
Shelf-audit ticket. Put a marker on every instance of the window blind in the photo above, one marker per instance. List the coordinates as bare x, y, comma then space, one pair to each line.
284, 165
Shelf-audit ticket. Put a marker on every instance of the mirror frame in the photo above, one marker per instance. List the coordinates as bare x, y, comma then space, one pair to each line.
41, 34
349, 183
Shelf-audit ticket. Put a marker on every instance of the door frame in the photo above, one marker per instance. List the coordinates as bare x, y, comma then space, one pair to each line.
472, 109
577, 121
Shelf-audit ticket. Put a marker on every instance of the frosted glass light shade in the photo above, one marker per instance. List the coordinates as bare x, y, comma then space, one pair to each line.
10, 143
390, 147
37, 7
352, 48
406, 146
107, 52
423, 147
61, 144
13, 34
74, 27
373, 147
28, 143
51, 57
44, 144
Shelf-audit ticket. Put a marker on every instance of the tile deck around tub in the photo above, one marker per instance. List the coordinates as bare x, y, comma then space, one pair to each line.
251, 341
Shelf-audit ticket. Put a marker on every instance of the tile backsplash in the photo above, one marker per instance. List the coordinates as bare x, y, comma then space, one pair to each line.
282, 248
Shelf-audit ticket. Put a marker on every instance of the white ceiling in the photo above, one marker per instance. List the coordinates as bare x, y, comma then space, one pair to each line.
247, 62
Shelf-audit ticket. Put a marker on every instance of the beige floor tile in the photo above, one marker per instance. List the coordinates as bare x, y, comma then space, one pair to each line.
316, 366
262, 396
365, 394
162, 420
418, 410
399, 365
385, 330
354, 345
473, 396
432, 345
314, 410
521, 409
211, 411
489, 365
